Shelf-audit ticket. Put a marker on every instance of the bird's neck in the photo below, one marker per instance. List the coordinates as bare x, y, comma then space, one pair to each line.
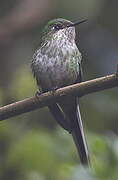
58, 43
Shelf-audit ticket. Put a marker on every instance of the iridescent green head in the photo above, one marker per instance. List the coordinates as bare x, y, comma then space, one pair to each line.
58, 26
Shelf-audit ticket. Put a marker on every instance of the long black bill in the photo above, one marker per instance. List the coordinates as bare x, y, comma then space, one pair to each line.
77, 23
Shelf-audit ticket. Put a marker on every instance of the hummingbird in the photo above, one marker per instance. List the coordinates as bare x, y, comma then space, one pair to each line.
57, 63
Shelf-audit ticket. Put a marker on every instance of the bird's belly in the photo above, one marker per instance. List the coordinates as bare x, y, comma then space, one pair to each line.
56, 75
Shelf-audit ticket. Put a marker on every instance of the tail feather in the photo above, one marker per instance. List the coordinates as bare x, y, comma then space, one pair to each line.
79, 138
70, 119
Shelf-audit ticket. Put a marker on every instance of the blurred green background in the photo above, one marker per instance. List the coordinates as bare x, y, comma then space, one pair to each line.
32, 145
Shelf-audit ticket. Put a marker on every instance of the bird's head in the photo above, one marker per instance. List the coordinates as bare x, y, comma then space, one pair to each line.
59, 28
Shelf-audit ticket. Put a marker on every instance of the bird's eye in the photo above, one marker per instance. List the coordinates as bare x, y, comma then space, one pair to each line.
57, 27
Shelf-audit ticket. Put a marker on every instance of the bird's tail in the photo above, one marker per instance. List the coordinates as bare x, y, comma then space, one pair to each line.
79, 137
73, 124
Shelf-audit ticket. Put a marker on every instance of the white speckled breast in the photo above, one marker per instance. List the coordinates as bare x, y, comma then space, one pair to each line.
56, 63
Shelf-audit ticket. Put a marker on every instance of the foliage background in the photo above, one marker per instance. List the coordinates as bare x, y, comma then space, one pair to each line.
32, 145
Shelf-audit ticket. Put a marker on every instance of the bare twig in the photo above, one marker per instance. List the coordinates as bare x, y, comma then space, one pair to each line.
45, 99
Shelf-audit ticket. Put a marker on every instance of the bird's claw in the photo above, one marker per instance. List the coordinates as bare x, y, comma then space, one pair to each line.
38, 93
54, 89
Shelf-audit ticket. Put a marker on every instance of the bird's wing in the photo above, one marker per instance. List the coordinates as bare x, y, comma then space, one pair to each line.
80, 74
59, 116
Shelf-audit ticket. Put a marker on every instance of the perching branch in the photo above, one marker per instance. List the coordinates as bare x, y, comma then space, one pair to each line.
80, 89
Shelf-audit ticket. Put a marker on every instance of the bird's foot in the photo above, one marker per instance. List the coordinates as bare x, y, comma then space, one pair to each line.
52, 90
38, 93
